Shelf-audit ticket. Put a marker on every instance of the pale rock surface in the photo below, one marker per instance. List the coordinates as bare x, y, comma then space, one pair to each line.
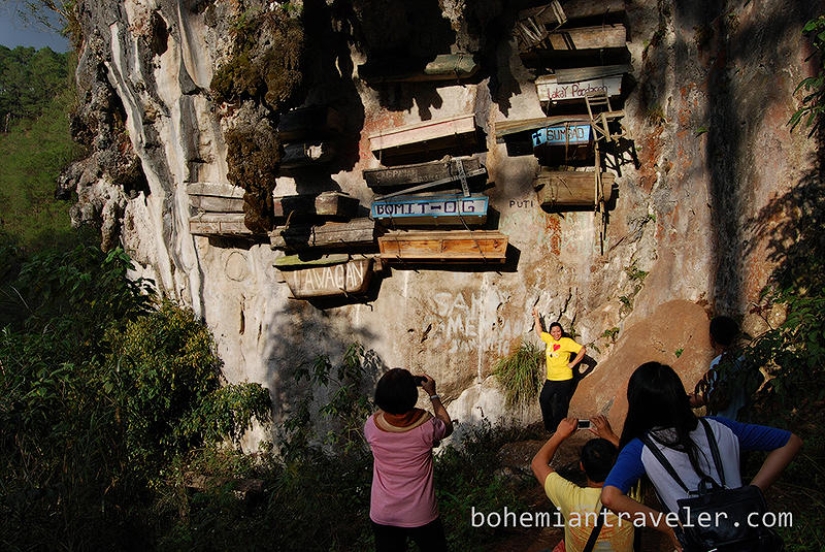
685, 239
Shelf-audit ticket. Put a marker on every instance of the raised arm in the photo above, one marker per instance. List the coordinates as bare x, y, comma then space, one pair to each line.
541, 461
439, 409
600, 427
537, 322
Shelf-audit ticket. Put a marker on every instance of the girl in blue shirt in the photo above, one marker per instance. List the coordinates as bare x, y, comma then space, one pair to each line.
658, 405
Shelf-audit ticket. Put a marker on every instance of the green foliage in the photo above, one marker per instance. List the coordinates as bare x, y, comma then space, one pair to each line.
465, 477
346, 407
611, 334
79, 292
520, 374
636, 274
266, 70
794, 352
29, 80
164, 375
59, 445
813, 102
102, 399
32, 155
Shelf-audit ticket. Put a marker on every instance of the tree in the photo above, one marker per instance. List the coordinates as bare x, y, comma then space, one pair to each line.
29, 80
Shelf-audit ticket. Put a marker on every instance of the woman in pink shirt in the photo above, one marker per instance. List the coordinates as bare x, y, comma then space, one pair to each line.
402, 437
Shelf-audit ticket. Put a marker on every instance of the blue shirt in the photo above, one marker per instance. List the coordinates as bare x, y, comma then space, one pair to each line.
635, 460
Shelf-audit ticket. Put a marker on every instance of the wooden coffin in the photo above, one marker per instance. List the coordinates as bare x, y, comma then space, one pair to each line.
564, 142
557, 88
426, 136
297, 261
444, 246
433, 210
445, 67
219, 224
504, 129
326, 204
302, 154
602, 37
334, 280
329, 235
559, 189
534, 24
215, 198
310, 122
442, 171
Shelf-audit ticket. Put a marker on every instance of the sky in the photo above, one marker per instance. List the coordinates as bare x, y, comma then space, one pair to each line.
15, 31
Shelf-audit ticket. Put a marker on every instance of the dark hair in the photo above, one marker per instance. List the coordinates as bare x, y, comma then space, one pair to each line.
656, 399
396, 391
550, 327
724, 330
598, 457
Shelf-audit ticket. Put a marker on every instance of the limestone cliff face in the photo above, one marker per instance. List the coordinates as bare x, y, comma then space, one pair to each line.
707, 151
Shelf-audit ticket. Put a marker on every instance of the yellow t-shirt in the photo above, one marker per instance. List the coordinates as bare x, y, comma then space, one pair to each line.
580, 506
558, 355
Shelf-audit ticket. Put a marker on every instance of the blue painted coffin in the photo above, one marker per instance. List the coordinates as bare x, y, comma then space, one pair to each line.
436, 210
561, 144
563, 135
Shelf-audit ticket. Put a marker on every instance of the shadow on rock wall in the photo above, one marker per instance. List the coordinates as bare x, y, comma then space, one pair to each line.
792, 224
728, 39
295, 376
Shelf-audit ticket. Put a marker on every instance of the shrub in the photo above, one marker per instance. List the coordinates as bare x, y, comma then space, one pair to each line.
520, 374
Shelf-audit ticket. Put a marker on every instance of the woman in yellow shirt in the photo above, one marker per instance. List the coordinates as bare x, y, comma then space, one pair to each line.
558, 388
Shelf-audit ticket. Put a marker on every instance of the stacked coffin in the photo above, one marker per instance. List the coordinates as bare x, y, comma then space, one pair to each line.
575, 33
312, 225
427, 140
416, 203
309, 136
581, 47
324, 221
216, 210
442, 67
331, 275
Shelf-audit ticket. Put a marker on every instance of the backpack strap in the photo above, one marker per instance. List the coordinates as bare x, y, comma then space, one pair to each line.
654, 449
594, 534
714, 450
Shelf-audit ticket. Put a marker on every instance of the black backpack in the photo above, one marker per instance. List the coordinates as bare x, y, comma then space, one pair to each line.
715, 517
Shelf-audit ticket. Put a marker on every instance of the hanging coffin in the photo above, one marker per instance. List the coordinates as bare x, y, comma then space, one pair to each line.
457, 246
534, 24
444, 171
219, 224
326, 204
562, 143
429, 138
310, 122
435, 210
330, 235
303, 154
557, 190
444, 67
215, 198
574, 84
338, 277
